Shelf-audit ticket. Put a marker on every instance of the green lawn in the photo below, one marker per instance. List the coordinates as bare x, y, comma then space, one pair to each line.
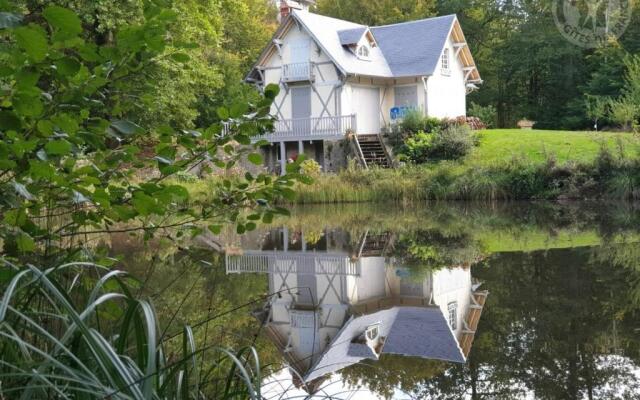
503, 145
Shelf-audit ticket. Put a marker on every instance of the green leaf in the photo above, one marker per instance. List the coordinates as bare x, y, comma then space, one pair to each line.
267, 218
66, 123
9, 20
28, 105
215, 229
58, 147
240, 229
125, 127
16, 217
65, 22
25, 243
9, 121
33, 40
45, 127
238, 110
223, 113
67, 66
255, 158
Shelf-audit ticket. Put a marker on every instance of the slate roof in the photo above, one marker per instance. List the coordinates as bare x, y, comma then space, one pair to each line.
409, 331
414, 48
405, 49
351, 36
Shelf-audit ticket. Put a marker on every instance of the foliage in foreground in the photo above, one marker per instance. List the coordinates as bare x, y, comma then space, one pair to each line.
70, 163
78, 331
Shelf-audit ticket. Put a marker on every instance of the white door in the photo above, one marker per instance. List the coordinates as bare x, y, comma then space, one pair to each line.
366, 106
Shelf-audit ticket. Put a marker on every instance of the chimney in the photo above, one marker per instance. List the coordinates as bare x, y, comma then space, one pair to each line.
287, 6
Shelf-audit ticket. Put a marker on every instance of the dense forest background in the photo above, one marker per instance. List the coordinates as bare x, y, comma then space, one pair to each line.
529, 69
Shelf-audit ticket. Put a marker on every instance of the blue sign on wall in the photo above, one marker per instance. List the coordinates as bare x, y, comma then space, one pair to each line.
399, 112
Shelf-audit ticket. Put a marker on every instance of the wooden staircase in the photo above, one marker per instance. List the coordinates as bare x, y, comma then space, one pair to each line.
373, 151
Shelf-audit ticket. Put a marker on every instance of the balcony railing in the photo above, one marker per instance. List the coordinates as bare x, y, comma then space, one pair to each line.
297, 72
285, 263
311, 128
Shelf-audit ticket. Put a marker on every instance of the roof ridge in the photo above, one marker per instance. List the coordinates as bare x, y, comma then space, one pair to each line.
328, 17
416, 21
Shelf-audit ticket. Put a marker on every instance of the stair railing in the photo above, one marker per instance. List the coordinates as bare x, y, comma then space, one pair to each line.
359, 153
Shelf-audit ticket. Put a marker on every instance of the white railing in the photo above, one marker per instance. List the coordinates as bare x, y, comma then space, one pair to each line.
297, 72
302, 264
311, 128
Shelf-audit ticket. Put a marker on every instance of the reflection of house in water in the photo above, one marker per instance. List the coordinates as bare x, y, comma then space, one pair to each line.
341, 301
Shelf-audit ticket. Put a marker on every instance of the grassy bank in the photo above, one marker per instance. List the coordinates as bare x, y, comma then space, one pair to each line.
507, 165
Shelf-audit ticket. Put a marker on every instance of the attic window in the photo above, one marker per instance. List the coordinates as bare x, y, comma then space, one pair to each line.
446, 70
363, 52
452, 309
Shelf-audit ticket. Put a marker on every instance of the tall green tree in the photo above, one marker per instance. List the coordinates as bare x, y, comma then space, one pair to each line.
379, 12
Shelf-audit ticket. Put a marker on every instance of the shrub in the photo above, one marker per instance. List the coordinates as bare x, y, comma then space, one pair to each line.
487, 114
416, 148
412, 122
415, 121
449, 144
452, 143
310, 168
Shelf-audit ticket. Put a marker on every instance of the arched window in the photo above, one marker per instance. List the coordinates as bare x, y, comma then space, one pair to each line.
363, 51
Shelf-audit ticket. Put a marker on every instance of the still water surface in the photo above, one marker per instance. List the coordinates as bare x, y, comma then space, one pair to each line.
526, 300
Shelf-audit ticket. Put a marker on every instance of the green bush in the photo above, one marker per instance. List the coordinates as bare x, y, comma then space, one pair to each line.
487, 114
416, 148
450, 144
415, 121
453, 143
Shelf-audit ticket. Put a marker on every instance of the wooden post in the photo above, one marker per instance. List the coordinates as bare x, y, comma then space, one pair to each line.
300, 147
283, 159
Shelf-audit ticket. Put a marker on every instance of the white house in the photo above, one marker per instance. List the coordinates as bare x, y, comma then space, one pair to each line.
339, 302
338, 77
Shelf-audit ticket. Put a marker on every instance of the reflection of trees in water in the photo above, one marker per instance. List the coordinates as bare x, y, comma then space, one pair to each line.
392, 371
558, 324
427, 250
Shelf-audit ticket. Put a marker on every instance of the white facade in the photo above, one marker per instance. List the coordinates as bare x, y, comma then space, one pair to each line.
335, 79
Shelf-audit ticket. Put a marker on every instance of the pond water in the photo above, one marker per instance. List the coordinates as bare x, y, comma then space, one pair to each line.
442, 301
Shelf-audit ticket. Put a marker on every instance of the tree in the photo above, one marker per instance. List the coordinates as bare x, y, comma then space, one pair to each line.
71, 169
380, 12
67, 150
597, 108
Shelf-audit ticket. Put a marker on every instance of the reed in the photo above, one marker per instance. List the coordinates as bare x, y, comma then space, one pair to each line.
77, 332
609, 176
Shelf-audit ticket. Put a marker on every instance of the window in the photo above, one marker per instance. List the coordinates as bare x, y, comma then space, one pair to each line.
363, 51
445, 63
372, 332
453, 315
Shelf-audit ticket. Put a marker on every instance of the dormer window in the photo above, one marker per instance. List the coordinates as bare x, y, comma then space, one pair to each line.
446, 70
363, 51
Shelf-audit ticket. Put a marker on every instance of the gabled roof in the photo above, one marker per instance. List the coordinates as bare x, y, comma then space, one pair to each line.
403, 50
409, 331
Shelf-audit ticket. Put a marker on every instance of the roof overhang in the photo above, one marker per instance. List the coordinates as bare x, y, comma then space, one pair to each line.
462, 51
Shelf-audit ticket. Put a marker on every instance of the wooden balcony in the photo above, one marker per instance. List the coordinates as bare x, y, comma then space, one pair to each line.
298, 72
265, 262
324, 128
